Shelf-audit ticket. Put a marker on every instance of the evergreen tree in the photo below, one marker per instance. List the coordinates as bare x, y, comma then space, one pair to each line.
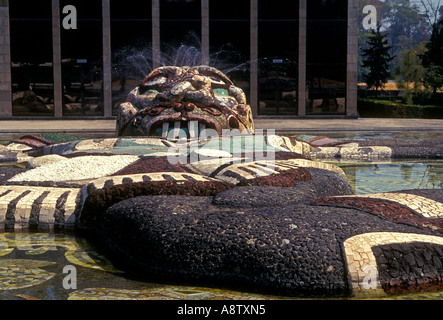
376, 58
432, 59
434, 55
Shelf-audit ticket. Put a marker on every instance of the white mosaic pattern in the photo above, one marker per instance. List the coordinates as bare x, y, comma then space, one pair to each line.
47, 207
426, 207
151, 177
74, 169
361, 262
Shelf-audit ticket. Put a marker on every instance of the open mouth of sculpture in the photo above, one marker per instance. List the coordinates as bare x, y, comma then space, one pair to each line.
196, 128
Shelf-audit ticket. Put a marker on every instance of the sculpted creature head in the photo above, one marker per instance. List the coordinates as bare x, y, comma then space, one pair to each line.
187, 100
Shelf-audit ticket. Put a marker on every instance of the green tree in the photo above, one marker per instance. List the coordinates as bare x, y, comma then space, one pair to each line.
403, 20
376, 58
405, 25
434, 55
432, 59
433, 77
410, 75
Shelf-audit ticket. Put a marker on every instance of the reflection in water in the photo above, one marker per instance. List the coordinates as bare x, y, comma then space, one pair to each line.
385, 177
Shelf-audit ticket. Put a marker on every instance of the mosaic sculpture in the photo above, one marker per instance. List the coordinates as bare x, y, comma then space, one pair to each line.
192, 99
174, 197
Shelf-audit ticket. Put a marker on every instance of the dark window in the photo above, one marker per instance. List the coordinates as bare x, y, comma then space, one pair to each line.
82, 60
278, 57
30, 10
180, 32
327, 9
229, 9
180, 9
326, 54
131, 10
326, 41
131, 39
229, 36
278, 10
31, 57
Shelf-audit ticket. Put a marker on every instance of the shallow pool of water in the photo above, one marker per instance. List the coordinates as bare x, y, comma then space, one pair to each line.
394, 176
369, 135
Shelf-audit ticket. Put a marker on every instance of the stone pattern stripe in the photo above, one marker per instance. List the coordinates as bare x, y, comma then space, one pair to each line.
315, 164
145, 177
361, 262
40, 207
236, 172
426, 207
391, 210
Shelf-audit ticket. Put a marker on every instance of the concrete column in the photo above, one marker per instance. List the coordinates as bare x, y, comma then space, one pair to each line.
107, 59
5, 62
57, 60
302, 14
156, 51
253, 85
205, 31
352, 59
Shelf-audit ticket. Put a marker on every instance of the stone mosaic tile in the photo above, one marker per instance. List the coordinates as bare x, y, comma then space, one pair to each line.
316, 164
361, 262
319, 141
352, 151
146, 177
23, 273
234, 173
79, 168
286, 143
208, 166
409, 267
426, 207
42, 207
386, 208
44, 160
96, 144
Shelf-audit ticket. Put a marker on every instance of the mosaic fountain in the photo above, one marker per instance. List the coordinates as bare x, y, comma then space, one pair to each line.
189, 191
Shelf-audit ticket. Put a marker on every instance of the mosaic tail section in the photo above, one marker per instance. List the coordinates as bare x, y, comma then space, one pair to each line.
41, 208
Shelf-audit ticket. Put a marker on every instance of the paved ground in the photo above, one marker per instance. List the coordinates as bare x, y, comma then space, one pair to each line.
107, 127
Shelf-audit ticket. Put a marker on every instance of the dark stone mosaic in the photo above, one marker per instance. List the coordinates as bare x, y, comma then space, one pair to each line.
409, 267
387, 209
289, 249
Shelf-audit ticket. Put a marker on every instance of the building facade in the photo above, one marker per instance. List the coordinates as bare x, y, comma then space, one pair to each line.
75, 58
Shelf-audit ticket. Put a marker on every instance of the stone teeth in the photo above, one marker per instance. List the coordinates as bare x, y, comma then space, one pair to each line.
176, 132
193, 129
165, 129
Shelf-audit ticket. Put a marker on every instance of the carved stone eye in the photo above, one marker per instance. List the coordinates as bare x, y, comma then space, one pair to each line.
221, 92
